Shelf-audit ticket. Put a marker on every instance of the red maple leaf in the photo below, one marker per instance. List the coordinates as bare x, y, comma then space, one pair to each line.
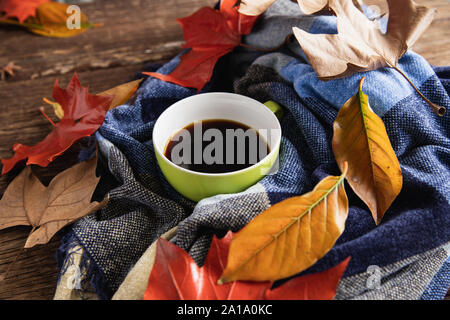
210, 34
83, 115
175, 276
20, 9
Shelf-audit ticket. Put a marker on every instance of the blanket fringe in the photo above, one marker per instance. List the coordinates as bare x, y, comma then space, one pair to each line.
89, 277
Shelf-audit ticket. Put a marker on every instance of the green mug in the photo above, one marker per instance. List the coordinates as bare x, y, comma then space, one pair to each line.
229, 106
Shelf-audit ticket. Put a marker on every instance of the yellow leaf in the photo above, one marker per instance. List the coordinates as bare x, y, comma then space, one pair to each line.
360, 139
290, 236
121, 94
51, 21
59, 112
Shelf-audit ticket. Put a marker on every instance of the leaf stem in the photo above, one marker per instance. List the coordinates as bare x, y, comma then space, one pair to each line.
439, 110
41, 109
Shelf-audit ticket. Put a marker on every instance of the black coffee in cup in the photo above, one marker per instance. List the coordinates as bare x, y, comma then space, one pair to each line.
216, 146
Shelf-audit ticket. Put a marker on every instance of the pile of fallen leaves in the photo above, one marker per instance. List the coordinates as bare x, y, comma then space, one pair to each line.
290, 236
43, 17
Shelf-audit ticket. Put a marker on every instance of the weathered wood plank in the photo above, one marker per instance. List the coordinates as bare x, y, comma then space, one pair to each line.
434, 45
133, 32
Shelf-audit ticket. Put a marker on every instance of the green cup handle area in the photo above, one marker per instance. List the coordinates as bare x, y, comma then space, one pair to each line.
275, 108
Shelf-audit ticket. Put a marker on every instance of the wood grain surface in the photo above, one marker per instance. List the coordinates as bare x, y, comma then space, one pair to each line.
134, 32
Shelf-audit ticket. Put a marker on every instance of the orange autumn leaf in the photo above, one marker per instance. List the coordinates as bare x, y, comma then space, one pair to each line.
290, 236
20, 9
360, 139
51, 21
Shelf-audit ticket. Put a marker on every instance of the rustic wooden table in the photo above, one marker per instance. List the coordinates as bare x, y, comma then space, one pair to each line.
134, 32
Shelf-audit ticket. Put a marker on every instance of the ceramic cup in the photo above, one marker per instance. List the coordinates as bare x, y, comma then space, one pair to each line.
197, 185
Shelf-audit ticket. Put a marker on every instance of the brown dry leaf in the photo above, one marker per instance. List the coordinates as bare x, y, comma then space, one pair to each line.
47, 209
313, 6
9, 69
121, 93
257, 7
360, 139
290, 236
321, 6
360, 45
378, 7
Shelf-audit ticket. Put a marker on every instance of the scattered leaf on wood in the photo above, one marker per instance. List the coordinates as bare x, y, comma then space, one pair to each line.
50, 20
9, 70
83, 115
20, 9
175, 276
290, 236
360, 139
210, 34
27, 201
121, 94
360, 45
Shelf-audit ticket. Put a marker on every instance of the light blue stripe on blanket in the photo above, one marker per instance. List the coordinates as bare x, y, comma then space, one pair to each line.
382, 97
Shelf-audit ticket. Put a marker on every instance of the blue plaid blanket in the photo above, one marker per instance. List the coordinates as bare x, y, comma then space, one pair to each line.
403, 258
